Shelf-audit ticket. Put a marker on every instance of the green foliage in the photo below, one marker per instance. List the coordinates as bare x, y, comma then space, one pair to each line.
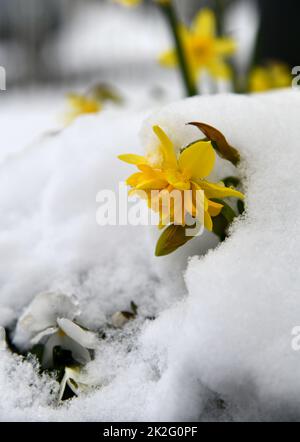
171, 239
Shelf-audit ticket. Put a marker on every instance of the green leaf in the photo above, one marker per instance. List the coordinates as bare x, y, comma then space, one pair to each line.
171, 239
227, 211
134, 307
219, 142
220, 226
231, 181
223, 220
241, 206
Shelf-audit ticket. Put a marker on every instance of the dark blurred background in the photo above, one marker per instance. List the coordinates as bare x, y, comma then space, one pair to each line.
59, 41
52, 47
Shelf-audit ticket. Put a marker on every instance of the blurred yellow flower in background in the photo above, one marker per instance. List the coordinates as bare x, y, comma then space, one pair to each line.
204, 50
137, 2
273, 76
80, 105
128, 2
184, 172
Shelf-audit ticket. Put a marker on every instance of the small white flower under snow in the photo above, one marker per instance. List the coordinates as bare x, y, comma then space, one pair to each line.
49, 320
76, 379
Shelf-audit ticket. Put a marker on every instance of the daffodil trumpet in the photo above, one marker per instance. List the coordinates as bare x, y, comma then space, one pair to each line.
165, 172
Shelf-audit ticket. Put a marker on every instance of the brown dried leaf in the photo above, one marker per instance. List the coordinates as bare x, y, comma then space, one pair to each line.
219, 142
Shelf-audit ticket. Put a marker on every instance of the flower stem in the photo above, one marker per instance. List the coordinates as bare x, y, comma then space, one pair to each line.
170, 13
219, 8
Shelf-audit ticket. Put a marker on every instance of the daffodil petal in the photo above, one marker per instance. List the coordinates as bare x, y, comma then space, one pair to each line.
168, 59
204, 24
149, 172
197, 187
176, 180
134, 179
225, 46
155, 184
259, 80
167, 147
219, 69
208, 224
189, 204
82, 104
197, 161
214, 209
133, 159
140, 193
128, 2
213, 190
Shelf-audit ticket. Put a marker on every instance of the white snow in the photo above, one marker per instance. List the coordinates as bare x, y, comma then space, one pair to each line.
228, 335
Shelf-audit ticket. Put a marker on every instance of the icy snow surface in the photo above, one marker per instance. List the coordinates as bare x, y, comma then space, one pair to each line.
220, 349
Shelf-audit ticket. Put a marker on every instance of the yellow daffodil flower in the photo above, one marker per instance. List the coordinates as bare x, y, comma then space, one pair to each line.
137, 2
204, 50
274, 76
80, 105
169, 172
128, 2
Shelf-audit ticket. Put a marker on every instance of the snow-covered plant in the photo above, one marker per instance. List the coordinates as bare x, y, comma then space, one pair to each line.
49, 330
49, 320
76, 379
165, 172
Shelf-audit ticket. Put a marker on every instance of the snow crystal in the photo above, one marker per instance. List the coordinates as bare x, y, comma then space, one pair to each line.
221, 351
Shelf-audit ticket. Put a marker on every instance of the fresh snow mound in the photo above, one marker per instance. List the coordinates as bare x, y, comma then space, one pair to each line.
223, 351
